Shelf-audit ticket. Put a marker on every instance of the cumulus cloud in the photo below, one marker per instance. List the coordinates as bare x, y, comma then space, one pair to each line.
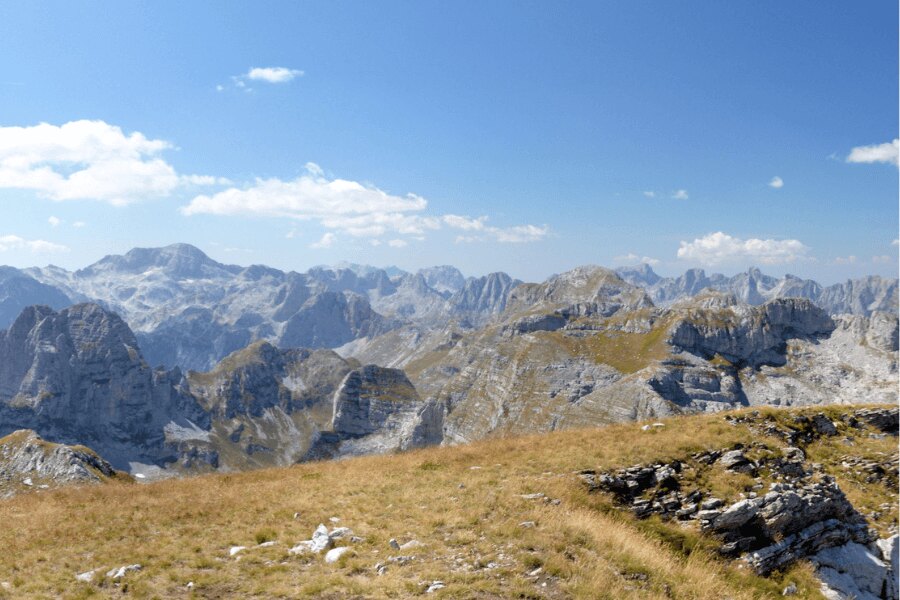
273, 74
777, 182
346, 206
54, 221
882, 259
14, 242
327, 241
650, 194
632, 259
888, 152
680, 195
78, 224
720, 247
896, 242
88, 160
398, 243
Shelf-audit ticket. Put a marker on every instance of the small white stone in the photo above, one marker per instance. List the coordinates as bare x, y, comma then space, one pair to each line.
235, 549
86, 577
335, 554
27, 481
435, 586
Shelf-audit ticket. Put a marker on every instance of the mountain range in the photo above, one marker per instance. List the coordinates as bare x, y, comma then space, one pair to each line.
163, 360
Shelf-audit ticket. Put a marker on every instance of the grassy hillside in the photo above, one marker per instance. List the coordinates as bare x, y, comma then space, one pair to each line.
478, 535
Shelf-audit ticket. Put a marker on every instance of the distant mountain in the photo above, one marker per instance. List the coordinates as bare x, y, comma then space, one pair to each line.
859, 296
18, 290
191, 311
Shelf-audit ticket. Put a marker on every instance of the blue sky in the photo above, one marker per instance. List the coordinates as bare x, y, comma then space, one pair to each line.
525, 137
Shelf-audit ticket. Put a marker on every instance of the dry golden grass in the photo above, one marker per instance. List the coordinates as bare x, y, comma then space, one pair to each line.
463, 503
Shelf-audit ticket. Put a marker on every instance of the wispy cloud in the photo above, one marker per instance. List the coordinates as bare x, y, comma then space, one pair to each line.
632, 259
680, 195
327, 241
341, 205
719, 247
888, 152
845, 260
398, 243
508, 235
777, 183
882, 259
88, 160
14, 242
54, 221
650, 194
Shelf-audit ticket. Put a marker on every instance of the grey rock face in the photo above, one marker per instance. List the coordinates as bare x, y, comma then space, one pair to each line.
483, 297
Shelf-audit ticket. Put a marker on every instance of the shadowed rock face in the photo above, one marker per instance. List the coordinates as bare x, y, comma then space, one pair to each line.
77, 376
750, 335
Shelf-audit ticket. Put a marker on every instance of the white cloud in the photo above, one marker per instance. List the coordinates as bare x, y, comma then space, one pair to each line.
649, 194
273, 74
680, 195
896, 242
14, 242
631, 259
845, 260
398, 243
777, 182
888, 152
720, 247
54, 221
327, 241
78, 224
882, 259
88, 160
347, 206
375, 242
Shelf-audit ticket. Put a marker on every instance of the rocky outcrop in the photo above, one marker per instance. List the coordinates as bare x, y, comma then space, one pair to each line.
802, 515
27, 462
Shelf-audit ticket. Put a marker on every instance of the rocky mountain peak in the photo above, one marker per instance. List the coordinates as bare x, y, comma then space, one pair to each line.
178, 261
444, 279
